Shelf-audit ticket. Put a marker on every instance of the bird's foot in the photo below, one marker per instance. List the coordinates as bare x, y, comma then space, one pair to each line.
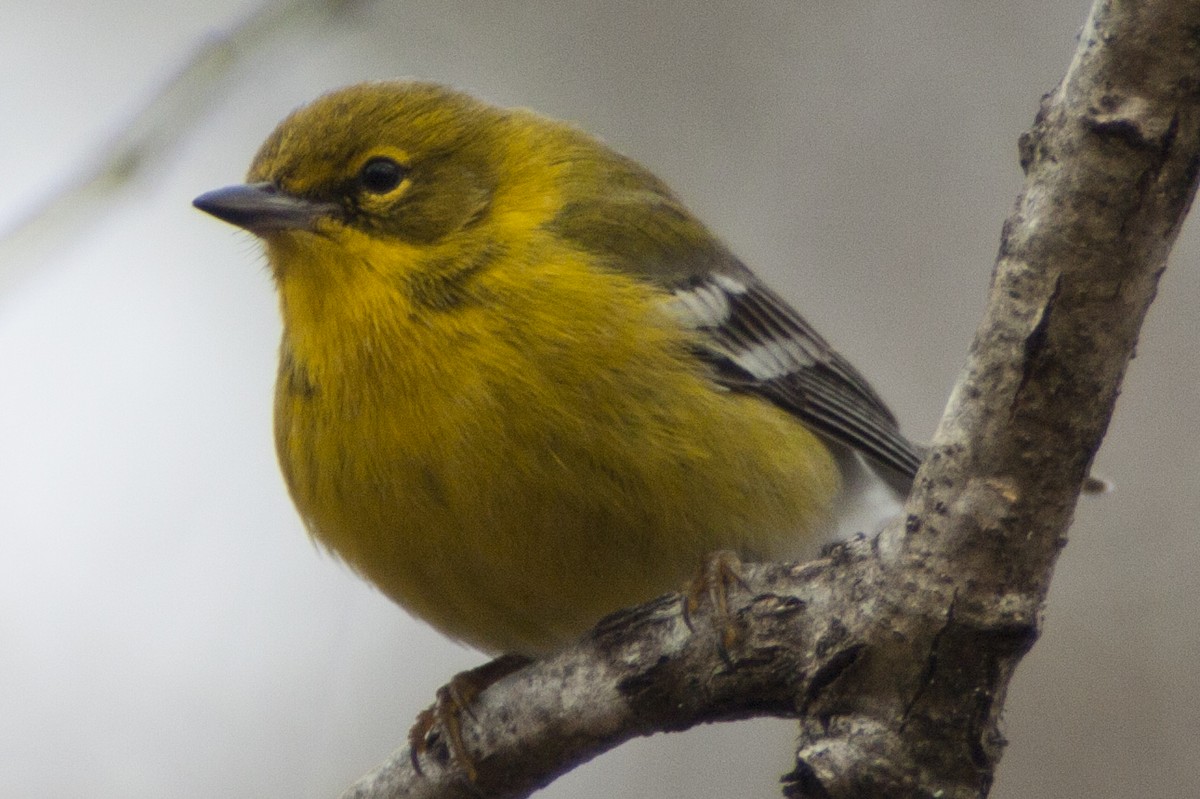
719, 574
444, 717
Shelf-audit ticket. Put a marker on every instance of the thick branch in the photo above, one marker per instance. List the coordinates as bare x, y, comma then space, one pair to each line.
896, 654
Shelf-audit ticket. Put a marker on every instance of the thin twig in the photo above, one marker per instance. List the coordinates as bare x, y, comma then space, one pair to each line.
149, 135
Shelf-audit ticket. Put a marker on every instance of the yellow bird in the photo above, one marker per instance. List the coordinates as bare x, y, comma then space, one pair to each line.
520, 385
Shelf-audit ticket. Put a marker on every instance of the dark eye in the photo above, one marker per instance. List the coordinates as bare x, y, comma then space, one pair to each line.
380, 175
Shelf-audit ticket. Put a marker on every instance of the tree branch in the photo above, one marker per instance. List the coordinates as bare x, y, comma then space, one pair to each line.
895, 654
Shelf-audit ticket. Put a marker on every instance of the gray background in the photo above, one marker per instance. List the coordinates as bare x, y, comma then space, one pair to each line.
165, 628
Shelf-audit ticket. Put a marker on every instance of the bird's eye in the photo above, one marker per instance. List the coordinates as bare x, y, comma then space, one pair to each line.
380, 175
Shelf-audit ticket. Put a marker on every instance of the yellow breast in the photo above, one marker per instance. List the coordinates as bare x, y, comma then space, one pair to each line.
514, 453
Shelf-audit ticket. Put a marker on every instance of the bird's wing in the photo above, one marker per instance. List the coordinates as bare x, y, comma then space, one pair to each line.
759, 344
756, 342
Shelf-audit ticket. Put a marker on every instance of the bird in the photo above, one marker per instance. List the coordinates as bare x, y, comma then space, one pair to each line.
520, 384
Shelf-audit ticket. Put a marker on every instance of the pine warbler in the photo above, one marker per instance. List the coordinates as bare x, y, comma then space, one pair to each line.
520, 385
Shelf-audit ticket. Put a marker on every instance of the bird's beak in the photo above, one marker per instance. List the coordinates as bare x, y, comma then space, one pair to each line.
262, 208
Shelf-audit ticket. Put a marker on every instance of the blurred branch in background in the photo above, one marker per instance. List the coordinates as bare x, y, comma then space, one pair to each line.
896, 654
143, 141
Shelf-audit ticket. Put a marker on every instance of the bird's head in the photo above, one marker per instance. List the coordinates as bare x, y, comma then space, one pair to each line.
411, 162
414, 177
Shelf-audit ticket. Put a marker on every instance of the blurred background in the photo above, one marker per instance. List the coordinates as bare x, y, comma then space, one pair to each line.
166, 629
